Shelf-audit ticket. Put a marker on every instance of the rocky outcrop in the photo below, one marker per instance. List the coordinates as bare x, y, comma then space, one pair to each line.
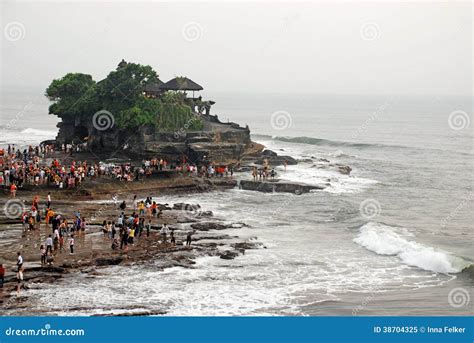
217, 141
343, 169
268, 157
96, 253
229, 254
208, 226
278, 186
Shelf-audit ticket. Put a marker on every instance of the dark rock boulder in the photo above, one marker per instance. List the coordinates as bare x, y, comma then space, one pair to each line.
228, 255
277, 160
163, 207
269, 153
108, 261
247, 245
186, 207
278, 186
208, 226
346, 170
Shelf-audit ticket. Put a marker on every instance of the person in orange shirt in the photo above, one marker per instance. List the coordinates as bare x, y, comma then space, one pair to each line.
49, 215
13, 190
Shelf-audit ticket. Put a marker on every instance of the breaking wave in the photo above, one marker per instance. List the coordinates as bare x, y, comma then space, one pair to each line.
385, 240
26, 136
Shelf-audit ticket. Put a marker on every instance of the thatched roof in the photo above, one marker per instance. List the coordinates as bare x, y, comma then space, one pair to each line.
181, 84
154, 87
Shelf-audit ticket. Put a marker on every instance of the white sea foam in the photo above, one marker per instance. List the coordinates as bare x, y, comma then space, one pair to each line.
30, 131
386, 240
26, 136
317, 173
338, 183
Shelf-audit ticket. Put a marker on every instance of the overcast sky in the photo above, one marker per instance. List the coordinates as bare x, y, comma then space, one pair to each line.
311, 47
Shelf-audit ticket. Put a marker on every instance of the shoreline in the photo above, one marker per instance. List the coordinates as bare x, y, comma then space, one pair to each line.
94, 252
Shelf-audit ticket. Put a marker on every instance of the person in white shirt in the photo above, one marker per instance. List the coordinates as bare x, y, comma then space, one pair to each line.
164, 232
49, 244
19, 261
71, 244
135, 203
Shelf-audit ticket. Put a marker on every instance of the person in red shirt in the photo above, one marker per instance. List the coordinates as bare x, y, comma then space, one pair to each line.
13, 190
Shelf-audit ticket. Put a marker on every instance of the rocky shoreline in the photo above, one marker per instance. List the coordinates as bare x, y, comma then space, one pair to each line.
94, 252
97, 199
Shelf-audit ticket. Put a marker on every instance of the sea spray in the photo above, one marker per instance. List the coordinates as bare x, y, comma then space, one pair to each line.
385, 240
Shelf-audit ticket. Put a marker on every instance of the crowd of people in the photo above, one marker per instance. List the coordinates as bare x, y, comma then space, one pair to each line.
263, 173
39, 165
121, 232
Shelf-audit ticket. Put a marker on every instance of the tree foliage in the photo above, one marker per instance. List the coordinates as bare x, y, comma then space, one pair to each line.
175, 114
72, 95
123, 88
77, 95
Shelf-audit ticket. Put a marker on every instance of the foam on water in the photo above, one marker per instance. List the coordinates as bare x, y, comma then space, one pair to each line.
287, 278
316, 173
311, 174
26, 136
385, 240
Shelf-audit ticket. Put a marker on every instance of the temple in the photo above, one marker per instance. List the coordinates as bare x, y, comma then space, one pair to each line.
211, 139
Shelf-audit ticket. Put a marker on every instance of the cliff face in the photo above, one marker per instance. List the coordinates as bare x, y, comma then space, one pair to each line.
219, 142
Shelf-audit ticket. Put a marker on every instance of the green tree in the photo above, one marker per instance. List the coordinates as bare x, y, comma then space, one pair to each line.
144, 112
174, 114
123, 87
121, 93
73, 95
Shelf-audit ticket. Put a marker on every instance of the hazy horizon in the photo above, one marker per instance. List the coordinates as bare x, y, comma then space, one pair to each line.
251, 47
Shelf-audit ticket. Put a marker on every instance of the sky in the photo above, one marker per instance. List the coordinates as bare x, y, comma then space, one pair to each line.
259, 47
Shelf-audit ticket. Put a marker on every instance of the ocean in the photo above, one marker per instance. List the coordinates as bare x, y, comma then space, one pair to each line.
395, 237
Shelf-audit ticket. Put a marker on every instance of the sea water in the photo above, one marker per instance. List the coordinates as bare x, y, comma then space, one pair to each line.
392, 238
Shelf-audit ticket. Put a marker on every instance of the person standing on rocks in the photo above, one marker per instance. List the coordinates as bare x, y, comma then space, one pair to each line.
71, 244
123, 237
148, 209
43, 255
189, 237
141, 208
164, 232
56, 240
141, 226
272, 174
49, 244
134, 203
172, 239
19, 261
113, 232
13, 189
131, 235
120, 220
148, 228
254, 173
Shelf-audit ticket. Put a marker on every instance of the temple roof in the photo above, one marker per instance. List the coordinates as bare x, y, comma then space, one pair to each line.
154, 87
181, 84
